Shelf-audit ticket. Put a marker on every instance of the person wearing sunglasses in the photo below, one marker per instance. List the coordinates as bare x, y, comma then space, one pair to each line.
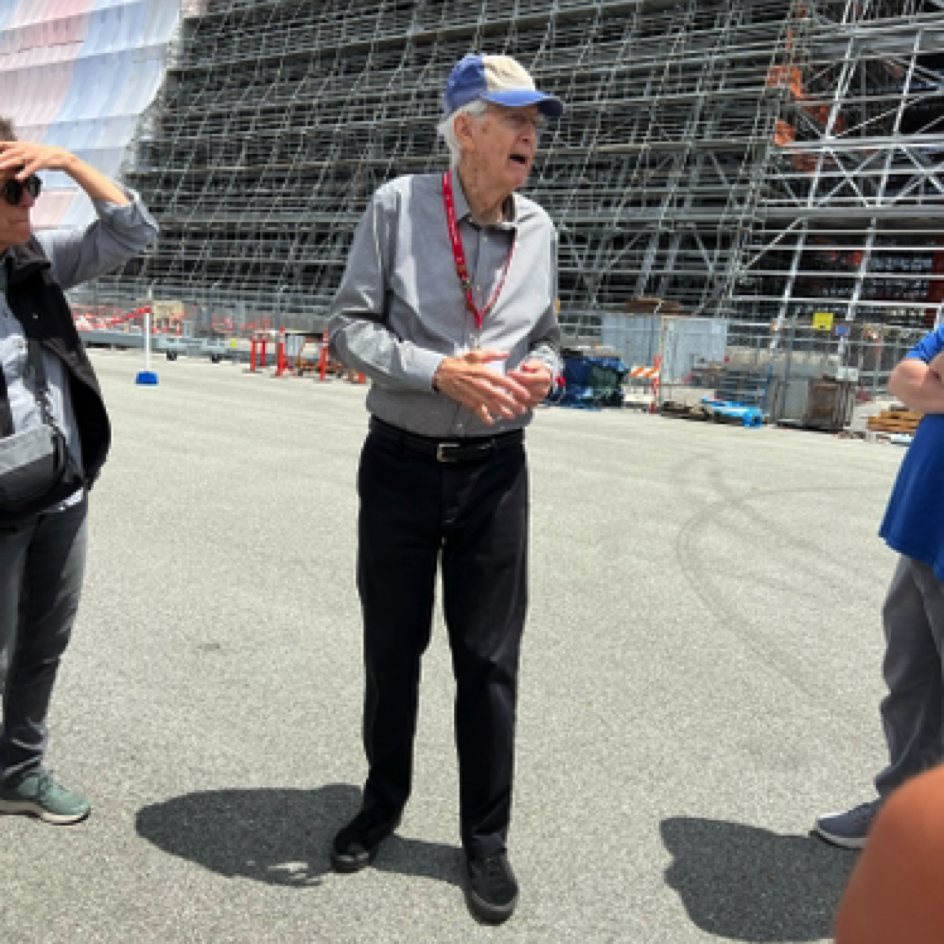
43, 549
15, 189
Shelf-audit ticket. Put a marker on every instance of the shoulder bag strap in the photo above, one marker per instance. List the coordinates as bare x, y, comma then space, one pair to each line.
6, 414
38, 368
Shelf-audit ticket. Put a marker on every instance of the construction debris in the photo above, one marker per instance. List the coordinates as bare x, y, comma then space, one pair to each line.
716, 411
895, 420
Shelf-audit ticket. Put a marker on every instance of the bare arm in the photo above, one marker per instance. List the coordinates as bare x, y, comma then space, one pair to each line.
919, 385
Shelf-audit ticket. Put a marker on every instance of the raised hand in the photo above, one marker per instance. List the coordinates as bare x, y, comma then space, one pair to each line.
25, 158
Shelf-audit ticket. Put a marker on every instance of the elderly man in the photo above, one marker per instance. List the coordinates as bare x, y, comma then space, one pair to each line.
46, 380
448, 304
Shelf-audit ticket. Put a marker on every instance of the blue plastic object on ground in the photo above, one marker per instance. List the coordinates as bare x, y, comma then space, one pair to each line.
749, 415
147, 378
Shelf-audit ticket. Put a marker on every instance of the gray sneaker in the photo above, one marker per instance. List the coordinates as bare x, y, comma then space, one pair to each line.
850, 829
39, 795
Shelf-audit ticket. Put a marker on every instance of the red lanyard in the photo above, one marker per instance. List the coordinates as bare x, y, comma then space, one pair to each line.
462, 270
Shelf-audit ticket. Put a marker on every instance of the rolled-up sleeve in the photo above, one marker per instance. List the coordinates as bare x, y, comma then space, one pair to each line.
119, 234
358, 329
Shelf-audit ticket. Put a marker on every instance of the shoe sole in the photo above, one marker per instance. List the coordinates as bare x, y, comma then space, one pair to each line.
25, 808
493, 914
347, 864
844, 842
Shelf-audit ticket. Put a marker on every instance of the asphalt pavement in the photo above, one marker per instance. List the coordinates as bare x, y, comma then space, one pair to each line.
700, 679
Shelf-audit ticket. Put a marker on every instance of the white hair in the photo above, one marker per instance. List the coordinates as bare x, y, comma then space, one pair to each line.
447, 132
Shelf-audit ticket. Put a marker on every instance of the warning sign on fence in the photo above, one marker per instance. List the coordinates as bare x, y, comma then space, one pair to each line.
167, 310
823, 321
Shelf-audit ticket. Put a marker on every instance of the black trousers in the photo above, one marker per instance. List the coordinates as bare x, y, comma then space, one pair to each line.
472, 517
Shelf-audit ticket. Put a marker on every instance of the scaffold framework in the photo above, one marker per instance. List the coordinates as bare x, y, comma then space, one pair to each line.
757, 160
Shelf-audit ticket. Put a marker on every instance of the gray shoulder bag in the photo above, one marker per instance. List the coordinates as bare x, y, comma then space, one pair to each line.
36, 468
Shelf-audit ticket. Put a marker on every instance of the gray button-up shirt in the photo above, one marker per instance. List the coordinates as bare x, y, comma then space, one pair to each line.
119, 233
400, 309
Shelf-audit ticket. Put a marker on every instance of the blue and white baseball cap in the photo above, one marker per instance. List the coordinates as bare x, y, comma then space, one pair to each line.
498, 79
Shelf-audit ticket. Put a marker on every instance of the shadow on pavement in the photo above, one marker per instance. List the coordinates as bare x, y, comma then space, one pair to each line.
279, 836
750, 884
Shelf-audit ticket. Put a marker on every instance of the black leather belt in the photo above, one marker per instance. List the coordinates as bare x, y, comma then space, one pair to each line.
471, 449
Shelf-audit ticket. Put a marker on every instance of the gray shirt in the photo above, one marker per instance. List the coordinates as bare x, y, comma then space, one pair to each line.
119, 233
400, 309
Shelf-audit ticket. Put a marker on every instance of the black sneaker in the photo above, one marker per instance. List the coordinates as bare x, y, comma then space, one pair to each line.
355, 846
492, 892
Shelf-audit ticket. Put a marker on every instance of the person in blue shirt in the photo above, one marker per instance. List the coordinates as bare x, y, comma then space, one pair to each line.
913, 613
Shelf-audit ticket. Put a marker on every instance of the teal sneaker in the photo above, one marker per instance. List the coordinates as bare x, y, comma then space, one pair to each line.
39, 795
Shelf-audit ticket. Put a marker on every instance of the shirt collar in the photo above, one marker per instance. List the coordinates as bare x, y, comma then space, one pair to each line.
510, 208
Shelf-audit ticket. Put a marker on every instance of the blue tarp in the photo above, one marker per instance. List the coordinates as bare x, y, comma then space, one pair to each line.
593, 382
748, 415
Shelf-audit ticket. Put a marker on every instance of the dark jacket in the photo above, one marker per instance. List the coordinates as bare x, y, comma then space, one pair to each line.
38, 302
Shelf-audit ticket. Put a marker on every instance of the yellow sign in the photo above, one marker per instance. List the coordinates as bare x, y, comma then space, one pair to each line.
823, 321
166, 310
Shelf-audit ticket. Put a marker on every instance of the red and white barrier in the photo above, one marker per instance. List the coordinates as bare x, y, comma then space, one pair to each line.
281, 361
650, 374
257, 352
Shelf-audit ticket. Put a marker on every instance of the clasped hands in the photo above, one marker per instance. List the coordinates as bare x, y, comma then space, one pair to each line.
489, 394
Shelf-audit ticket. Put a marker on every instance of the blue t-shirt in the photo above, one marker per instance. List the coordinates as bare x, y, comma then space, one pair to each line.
914, 519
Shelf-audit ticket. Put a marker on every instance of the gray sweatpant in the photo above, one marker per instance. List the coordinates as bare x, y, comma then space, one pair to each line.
42, 564
913, 710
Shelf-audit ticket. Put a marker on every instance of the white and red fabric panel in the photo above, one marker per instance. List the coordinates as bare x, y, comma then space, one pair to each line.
78, 74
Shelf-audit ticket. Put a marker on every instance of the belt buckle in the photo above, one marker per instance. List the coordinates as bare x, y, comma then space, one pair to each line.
441, 455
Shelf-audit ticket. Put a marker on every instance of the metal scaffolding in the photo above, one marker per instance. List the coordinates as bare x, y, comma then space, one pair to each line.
851, 216
752, 159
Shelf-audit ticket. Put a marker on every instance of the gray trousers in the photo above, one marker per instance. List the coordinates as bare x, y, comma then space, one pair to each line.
42, 563
913, 710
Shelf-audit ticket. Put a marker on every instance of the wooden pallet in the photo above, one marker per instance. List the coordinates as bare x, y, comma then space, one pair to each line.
894, 421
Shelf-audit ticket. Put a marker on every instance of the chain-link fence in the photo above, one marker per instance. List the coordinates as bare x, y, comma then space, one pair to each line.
233, 334
206, 313
811, 371
192, 319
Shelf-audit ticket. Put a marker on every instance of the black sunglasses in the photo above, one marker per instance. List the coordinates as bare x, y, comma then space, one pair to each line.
13, 189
